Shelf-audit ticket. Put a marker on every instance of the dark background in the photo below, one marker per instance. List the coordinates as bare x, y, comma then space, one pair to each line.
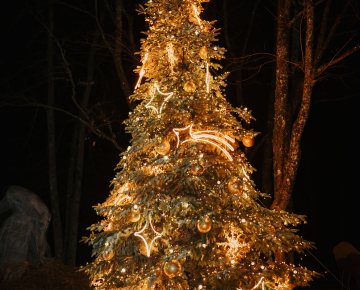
326, 188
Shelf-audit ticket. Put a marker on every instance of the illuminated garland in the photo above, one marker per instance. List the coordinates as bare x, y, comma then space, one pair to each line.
204, 136
163, 103
158, 235
171, 56
197, 14
142, 72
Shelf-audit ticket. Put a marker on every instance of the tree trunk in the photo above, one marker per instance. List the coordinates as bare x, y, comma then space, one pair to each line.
55, 207
73, 221
117, 52
71, 184
288, 170
281, 92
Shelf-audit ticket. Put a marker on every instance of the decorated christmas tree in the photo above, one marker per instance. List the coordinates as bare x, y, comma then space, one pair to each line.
183, 212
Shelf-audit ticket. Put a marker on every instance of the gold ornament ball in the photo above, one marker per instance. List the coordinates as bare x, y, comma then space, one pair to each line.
204, 226
197, 169
133, 216
248, 141
163, 148
108, 255
189, 87
143, 250
172, 268
235, 186
203, 52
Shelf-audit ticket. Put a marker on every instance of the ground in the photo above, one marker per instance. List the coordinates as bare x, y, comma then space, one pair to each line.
56, 277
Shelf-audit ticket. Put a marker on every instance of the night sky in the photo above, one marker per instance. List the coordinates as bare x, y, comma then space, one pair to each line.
326, 188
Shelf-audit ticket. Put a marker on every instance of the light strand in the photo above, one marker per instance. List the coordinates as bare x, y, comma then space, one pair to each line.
197, 14
142, 71
207, 77
203, 136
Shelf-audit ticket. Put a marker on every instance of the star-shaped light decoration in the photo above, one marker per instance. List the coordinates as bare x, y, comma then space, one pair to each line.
148, 105
157, 235
210, 136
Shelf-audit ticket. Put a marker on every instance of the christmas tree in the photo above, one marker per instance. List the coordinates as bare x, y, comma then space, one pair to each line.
183, 212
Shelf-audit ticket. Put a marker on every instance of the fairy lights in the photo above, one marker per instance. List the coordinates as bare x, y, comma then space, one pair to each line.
197, 14
207, 137
163, 103
234, 246
207, 77
138, 234
171, 56
142, 72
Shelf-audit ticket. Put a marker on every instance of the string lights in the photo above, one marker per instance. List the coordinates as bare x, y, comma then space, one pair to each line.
142, 71
207, 137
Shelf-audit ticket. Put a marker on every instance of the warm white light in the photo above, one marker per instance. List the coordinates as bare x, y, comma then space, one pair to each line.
207, 78
123, 270
232, 261
204, 136
142, 72
197, 14
158, 235
162, 105
200, 287
171, 56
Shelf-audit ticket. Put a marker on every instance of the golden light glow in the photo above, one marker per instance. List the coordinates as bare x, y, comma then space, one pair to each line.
138, 234
163, 103
119, 197
262, 278
171, 56
142, 72
207, 137
235, 246
197, 14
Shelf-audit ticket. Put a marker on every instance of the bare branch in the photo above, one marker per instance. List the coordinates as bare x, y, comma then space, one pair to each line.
324, 23
335, 60
331, 34
297, 16
92, 128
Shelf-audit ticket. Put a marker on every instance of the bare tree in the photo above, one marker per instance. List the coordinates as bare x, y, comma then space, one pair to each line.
287, 133
55, 207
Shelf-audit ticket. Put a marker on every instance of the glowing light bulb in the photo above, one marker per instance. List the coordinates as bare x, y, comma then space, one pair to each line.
123, 270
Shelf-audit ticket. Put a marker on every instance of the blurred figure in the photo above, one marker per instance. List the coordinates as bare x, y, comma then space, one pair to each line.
22, 235
348, 261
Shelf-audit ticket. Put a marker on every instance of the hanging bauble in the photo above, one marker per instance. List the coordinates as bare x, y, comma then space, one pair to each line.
143, 248
189, 87
203, 53
204, 225
172, 268
98, 281
235, 186
134, 215
108, 254
163, 148
248, 141
197, 169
